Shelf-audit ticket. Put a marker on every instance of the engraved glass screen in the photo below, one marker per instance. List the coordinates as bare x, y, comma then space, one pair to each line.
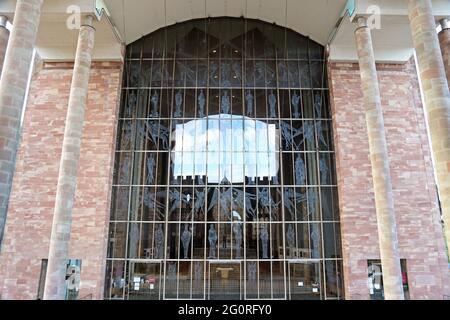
224, 184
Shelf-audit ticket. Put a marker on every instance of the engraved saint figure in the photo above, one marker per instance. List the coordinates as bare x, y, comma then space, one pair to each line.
201, 104
178, 105
250, 104
291, 198
289, 134
150, 169
264, 236
199, 202
159, 242
125, 172
273, 105
132, 99
198, 271
237, 229
172, 270
290, 237
312, 202
252, 269
315, 241
186, 240
318, 105
295, 105
300, 177
155, 104
212, 238
155, 131
320, 133
225, 105
267, 203
323, 171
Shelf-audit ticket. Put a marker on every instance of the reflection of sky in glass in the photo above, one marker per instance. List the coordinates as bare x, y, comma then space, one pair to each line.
226, 146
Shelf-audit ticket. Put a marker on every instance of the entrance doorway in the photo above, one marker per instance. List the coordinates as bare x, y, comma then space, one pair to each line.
305, 281
144, 281
224, 281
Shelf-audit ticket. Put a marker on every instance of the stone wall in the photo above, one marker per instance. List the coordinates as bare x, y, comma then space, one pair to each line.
32, 201
33, 196
420, 234
444, 41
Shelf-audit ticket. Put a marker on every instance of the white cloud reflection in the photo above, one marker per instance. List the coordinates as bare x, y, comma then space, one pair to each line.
226, 146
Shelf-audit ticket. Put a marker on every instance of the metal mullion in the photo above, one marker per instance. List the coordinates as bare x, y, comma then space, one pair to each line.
231, 153
145, 164
205, 260
180, 190
268, 158
166, 224
178, 262
194, 178
161, 96
258, 260
180, 209
130, 181
115, 222
280, 158
319, 188
244, 222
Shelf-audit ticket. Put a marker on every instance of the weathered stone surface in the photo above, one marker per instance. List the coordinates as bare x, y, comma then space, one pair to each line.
436, 94
13, 85
378, 151
444, 42
68, 168
419, 231
29, 223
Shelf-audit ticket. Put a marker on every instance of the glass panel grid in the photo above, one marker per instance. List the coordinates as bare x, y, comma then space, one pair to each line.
224, 177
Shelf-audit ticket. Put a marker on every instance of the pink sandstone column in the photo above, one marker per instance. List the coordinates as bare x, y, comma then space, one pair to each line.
437, 97
4, 36
65, 194
384, 200
13, 85
444, 41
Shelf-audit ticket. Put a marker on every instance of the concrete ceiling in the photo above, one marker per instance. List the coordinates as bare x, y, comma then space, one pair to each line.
314, 18
393, 42
56, 42
129, 20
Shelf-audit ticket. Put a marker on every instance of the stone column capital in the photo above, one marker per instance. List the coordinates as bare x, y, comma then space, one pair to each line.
361, 22
3, 21
88, 21
445, 23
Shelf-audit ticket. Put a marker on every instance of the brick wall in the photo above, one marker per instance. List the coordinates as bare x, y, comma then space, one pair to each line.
420, 235
32, 200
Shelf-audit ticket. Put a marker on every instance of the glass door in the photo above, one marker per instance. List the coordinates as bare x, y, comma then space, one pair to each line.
144, 281
305, 281
224, 281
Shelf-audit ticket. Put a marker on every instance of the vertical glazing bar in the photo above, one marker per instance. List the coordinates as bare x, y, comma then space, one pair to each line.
167, 213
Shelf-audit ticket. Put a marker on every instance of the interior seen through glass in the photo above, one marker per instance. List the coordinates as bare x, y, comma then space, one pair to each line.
224, 184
